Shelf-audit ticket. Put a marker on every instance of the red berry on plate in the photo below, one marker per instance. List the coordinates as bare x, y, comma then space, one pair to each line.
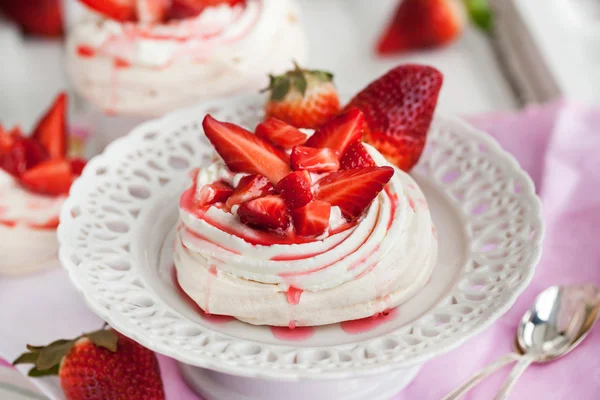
398, 109
315, 160
51, 130
302, 98
422, 24
250, 187
356, 155
312, 219
296, 189
353, 190
279, 133
269, 212
244, 152
212, 193
119, 10
339, 132
102, 364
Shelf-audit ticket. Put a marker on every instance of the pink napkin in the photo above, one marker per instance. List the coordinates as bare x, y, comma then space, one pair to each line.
559, 146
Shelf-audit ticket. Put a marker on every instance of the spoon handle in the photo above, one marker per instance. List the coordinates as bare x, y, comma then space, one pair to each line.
510, 381
481, 375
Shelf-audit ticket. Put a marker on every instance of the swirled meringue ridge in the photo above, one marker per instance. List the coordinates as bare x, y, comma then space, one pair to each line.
352, 271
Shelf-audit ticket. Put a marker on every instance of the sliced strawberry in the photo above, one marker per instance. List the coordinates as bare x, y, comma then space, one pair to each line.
244, 152
352, 190
295, 189
7, 140
51, 130
279, 133
315, 160
356, 155
269, 212
120, 10
18, 154
249, 188
152, 11
422, 24
214, 193
339, 132
77, 165
312, 219
190, 8
14, 161
35, 153
53, 178
398, 109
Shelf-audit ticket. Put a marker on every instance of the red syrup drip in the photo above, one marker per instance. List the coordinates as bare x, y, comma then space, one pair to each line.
51, 224
8, 223
363, 325
121, 63
292, 333
214, 318
394, 200
84, 51
293, 296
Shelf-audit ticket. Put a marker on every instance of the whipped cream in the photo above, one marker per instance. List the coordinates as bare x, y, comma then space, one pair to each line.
369, 267
27, 228
149, 69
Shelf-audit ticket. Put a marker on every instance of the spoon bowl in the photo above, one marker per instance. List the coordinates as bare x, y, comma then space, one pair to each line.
558, 321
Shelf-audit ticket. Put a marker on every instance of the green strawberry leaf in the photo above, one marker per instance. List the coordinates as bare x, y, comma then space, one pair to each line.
53, 353
300, 83
27, 358
280, 88
36, 372
35, 349
480, 14
107, 339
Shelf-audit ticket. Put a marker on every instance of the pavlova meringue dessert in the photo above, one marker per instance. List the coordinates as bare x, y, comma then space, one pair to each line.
294, 229
35, 177
148, 57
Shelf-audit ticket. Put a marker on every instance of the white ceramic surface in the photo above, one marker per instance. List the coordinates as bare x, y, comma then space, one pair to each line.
116, 245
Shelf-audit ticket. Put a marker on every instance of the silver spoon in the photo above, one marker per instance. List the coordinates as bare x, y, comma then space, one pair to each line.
558, 321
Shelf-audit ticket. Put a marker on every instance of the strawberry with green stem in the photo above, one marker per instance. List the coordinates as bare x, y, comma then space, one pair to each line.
98, 365
302, 98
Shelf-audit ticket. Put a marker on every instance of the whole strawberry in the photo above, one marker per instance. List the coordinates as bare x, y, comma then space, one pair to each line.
303, 98
398, 109
101, 365
37, 17
422, 24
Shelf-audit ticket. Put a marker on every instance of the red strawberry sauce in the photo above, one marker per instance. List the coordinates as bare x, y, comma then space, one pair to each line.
293, 295
293, 333
369, 323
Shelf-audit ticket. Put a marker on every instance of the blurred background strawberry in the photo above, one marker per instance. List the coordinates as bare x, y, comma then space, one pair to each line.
427, 24
37, 17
